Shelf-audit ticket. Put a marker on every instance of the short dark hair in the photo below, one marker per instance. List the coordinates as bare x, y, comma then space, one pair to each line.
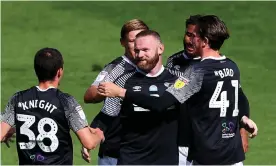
193, 20
214, 29
149, 33
47, 62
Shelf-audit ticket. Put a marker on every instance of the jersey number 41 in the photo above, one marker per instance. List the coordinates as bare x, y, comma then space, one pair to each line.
223, 103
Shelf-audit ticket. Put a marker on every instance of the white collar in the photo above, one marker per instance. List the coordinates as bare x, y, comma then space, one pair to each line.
214, 58
44, 90
155, 75
128, 61
186, 57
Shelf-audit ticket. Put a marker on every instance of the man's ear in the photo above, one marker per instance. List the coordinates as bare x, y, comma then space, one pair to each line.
205, 42
60, 73
161, 49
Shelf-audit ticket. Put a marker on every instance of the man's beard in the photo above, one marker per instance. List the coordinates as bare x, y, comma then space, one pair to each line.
148, 65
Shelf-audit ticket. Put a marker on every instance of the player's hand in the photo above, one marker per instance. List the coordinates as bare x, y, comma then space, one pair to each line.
9, 137
109, 89
98, 132
250, 126
85, 154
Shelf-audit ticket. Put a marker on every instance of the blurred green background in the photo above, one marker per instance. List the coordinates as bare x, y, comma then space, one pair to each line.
87, 33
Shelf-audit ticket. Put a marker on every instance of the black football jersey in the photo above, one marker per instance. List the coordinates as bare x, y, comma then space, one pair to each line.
148, 138
210, 90
43, 119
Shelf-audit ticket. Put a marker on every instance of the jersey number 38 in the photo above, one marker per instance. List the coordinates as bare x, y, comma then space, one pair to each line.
29, 120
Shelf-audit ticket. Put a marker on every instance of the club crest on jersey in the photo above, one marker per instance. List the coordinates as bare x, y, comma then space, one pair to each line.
180, 83
137, 88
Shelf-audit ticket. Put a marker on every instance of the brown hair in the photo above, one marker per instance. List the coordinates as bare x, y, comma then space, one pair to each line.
214, 29
133, 25
149, 33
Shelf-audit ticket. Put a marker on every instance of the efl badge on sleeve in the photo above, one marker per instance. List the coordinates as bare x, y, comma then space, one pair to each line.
180, 83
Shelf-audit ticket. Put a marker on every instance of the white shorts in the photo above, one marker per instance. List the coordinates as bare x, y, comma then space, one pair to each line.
236, 164
183, 154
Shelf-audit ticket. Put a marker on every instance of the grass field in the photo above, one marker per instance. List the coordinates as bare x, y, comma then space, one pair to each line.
87, 33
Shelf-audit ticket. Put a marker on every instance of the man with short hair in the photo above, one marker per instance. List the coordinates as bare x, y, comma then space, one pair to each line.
114, 71
43, 117
177, 64
210, 90
148, 138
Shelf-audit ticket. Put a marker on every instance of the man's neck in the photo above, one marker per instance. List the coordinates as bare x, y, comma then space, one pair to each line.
210, 53
156, 69
48, 84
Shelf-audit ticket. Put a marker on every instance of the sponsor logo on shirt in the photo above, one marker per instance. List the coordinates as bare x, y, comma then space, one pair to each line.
228, 130
137, 88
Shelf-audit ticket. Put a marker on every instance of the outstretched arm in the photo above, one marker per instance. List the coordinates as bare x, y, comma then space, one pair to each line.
181, 91
78, 123
91, 95
7, 118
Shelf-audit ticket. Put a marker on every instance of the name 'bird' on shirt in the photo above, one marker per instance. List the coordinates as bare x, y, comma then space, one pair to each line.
226, 72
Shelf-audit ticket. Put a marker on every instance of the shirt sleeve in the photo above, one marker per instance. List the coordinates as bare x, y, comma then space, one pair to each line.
74, 113
112, 106
243, 104
169, 63
109, 74
187, 85
8, 115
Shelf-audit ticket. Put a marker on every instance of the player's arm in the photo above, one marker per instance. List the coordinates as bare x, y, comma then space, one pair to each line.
7, 119
182, 90
91, 95
78, 123
244, 107
248, 124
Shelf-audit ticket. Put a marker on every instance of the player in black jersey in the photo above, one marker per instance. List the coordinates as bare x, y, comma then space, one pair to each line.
210, 90
147, 137
109, 149
43, 117
177, 64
